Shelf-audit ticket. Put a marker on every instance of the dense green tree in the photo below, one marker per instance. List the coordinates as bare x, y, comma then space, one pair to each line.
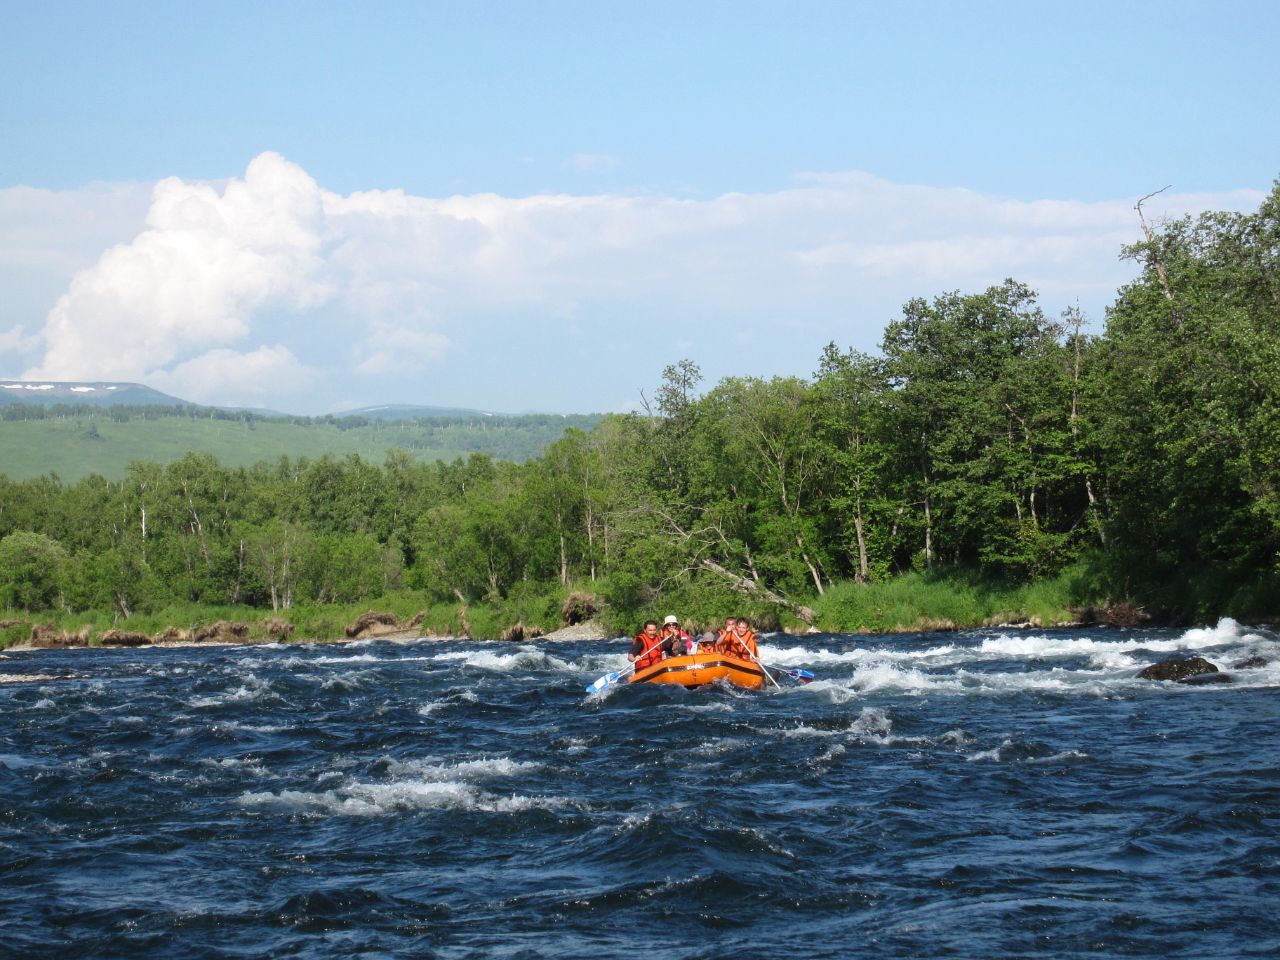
1192, 387
32, 570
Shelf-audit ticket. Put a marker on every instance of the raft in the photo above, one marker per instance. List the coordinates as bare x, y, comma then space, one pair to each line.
695, 670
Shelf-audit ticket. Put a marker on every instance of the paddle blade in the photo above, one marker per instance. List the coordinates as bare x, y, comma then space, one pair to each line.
804, 676
607, 680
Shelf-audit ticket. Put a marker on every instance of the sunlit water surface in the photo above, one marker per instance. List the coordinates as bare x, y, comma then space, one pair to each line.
978, 794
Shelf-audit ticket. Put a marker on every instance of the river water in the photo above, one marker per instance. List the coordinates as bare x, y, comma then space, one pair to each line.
977, 794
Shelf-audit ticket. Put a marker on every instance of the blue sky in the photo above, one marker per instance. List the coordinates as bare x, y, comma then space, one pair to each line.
631, 184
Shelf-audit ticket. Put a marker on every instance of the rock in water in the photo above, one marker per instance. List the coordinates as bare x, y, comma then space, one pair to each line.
1180, 669
1249, 663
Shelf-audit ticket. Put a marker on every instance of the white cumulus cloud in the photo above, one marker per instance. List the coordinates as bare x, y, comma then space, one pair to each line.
269, 286
193, 279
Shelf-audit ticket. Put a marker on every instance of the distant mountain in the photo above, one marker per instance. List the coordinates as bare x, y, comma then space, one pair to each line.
410, 411
98, 393
105, 393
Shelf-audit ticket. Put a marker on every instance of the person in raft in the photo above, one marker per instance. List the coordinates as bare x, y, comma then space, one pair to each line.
740, 641
723, 634
675, 641
646, 647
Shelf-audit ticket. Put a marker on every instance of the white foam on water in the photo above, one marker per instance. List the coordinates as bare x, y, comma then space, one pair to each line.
885, 676
800, 656
873, 724
1113, 660
992, 754
1058, 757
252, 689
381, 799
717, 707
251, 727
806, 731
886, 668
872, 721
347, 683
248, 765
44, 703
717, 748
525, 659
484, 768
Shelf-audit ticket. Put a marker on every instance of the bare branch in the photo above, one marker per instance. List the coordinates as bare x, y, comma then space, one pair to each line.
1154, 254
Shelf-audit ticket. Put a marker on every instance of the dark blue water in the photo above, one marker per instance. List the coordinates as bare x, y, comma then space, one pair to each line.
982, 794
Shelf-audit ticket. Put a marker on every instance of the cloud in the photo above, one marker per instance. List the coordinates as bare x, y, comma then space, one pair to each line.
14, 341
193, 279
270, 280
226, 377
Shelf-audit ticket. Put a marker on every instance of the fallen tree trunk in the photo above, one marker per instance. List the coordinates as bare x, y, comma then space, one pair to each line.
755, 589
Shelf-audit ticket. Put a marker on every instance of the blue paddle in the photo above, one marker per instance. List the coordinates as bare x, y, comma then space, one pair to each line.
608, 680
804, 676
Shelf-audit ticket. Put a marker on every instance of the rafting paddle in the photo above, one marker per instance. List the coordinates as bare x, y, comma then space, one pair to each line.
609, 679
804, 676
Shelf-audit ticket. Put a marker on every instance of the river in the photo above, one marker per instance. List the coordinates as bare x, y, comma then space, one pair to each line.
981, 794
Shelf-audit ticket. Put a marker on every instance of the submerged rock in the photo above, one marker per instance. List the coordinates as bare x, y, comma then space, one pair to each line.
1250, 663
1178, 669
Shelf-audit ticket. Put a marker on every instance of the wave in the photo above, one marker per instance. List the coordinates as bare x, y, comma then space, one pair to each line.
525, 659
413, 785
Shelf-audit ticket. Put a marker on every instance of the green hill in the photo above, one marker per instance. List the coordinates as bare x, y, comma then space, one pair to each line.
74, 444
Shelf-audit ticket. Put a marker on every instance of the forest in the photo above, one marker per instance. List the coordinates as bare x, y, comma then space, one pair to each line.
984, 443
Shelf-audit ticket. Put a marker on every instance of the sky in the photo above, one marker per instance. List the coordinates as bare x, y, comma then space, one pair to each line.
537, 206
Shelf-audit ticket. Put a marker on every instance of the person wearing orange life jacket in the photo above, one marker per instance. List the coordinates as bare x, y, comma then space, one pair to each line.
723, 635
742, 641
646, 646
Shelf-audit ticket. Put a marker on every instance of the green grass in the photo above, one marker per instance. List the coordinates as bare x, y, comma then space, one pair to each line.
78, 446
913, 601
916, 601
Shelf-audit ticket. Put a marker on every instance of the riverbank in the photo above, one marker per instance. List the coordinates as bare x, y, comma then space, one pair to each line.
910, 603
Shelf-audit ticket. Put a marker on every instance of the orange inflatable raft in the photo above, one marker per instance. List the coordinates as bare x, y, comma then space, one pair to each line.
696, 669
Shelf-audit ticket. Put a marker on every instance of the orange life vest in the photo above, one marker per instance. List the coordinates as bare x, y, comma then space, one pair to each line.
742, 646
642, 643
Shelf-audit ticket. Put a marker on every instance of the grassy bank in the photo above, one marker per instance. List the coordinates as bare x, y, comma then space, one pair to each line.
918, 601
909, 602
